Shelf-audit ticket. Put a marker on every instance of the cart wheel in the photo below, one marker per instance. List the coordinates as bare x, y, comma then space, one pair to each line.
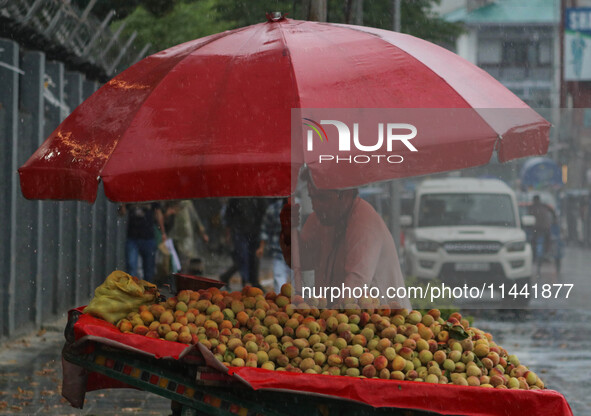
176, 408
188, 411
179, 409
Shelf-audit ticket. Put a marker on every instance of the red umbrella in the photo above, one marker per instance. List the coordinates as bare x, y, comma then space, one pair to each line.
212, 117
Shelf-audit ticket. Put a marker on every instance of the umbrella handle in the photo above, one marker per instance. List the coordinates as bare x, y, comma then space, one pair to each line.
295, 259
295, 255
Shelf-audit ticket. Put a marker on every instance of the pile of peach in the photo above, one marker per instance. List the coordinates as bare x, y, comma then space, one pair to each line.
281, 333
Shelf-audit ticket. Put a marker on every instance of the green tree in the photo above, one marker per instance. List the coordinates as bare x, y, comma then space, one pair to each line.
167, 23
124, 8
251, 12
417, 19
183, 22
103, 7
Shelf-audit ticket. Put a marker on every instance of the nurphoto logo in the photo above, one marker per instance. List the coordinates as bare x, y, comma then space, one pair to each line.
387, 135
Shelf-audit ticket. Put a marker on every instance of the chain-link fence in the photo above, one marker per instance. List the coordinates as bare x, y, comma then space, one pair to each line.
70, 35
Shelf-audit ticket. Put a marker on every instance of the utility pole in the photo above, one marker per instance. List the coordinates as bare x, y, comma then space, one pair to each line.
396, 15
317, 10
395, 187
354, 12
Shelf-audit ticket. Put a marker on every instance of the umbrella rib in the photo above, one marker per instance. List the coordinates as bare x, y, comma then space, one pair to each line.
291, 68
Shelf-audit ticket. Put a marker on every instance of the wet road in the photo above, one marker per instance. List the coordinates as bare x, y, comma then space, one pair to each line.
553, 343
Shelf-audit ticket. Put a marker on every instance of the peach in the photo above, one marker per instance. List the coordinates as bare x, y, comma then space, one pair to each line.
163, 329
389, 333
125, 325
185, 337
398, 363
356, 350
497, 381
410, 343
352, 362
397, 375
365, 359
406, 353
334, 360
414, 317
481, 350
166, 317
352, 372
171, 336
383, 344
152, 334
369, 371
140, 329
389, 353
384, 374
439, 356
380, 362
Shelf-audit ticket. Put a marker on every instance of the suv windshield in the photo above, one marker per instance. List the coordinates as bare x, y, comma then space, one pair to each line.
439, 210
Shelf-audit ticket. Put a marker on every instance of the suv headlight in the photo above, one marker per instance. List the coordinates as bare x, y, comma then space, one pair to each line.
515, 246
427, 245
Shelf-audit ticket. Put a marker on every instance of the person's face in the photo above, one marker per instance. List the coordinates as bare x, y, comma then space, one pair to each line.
326, 204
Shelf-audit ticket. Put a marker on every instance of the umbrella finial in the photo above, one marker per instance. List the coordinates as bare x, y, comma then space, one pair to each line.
275, 16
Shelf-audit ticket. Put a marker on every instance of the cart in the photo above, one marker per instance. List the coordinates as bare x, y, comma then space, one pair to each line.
97, 355
196, 389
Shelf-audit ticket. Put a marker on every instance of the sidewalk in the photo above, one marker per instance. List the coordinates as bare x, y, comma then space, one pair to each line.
31, 376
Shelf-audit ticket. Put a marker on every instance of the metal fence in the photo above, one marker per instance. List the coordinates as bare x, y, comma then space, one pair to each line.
52, 254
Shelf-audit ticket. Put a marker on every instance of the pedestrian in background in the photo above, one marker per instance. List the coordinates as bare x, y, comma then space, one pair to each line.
270, 234
186, 229
140, 242
243, 218
572, 211
166, 257
545, 217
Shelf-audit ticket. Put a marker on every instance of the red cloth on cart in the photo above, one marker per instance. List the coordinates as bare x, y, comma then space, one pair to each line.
440, 398
446, 399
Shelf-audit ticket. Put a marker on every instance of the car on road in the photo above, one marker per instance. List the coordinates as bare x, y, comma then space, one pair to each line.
467, 230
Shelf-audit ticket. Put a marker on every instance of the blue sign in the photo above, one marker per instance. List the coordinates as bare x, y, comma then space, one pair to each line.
577, 44
540, 172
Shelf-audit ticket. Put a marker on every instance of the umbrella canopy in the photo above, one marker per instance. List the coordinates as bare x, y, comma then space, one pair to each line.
212, 117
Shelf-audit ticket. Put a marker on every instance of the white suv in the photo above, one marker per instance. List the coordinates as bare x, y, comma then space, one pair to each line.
467, 230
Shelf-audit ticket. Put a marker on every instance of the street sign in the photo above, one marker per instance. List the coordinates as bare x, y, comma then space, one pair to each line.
577, 44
